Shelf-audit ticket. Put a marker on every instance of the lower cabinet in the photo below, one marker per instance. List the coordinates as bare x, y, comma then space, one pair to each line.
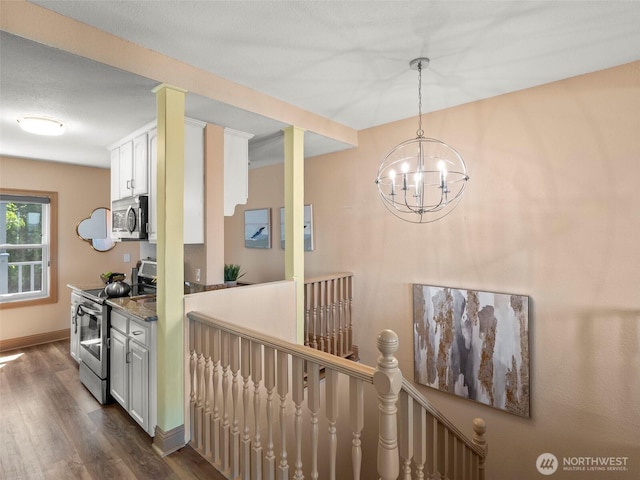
74, 340
132, 367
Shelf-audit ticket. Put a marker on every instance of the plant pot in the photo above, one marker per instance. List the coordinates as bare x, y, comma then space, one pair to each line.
231, 283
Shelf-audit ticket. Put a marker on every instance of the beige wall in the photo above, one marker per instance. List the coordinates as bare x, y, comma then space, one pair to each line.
80, 191
551, 211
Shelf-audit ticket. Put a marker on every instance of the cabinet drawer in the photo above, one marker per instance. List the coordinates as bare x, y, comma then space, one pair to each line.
119, 321
139, 332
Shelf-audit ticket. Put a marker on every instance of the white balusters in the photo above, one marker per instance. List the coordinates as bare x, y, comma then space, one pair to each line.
245, 371
405, 433
215, 420
226, 425
208, 391
269, 383
314, 315
235, 424
322, 294
419, 439
440, 446
297, 384
313, 403
193, 355
356, 416
200, 389
256, 377
283, 389
333, 334
431, 445
349, 319
331, 379
328, 314
414, 440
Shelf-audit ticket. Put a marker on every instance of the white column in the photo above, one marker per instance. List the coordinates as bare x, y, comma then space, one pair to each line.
170, 255
294, 217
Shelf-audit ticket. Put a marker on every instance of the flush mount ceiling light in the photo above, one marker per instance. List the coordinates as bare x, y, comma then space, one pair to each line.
41, 125
421, 180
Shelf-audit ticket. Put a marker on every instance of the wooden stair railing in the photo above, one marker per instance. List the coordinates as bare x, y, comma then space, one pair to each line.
328, 321
257, 406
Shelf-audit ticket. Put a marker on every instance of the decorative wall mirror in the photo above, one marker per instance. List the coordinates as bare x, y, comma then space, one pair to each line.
97, 230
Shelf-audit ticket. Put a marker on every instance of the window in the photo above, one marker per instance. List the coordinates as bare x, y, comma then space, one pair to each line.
28, 226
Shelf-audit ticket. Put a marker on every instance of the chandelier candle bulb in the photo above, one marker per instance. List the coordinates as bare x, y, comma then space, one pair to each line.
392, 176
405, 169
443, 175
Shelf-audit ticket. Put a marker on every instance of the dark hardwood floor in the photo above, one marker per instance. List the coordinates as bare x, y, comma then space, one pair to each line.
52, 428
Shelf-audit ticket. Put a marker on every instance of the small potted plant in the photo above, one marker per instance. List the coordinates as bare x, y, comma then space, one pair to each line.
232, 274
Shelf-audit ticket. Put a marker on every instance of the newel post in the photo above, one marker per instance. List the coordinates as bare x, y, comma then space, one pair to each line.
388, 380
479, 429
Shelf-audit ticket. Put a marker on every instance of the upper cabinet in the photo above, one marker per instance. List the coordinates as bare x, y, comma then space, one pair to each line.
130, 168
134, 172
236, 169
193, 182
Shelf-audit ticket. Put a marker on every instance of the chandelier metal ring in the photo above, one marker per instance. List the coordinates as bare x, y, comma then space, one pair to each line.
422, 179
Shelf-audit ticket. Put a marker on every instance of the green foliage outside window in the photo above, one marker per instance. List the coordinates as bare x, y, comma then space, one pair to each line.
24, 226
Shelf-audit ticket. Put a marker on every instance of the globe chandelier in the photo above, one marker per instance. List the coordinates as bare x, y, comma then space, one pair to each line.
422, 179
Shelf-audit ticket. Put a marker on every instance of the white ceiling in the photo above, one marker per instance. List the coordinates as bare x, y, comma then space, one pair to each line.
346, 60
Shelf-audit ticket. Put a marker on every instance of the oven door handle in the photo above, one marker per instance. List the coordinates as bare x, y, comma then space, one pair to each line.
84, 309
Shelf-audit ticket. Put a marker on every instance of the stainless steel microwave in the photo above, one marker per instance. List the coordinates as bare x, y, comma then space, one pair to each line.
129, 217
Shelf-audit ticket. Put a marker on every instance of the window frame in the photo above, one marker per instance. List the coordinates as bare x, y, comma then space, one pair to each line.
51, 296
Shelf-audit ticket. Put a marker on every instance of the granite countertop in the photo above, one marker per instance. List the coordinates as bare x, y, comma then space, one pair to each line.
142, 306
191, 287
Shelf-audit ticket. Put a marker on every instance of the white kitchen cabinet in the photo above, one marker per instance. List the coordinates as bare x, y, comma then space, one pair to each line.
130, 167
139, 384
140, 167
132, 367
236, 169
193, 182
74, 342
118, 367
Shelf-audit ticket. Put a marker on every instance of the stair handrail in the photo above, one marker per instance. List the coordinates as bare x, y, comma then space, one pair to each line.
415, 394
386, 378
347, 367
328, 276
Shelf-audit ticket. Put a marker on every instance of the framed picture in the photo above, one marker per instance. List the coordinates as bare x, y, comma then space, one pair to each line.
308, 228
257, 228
473, 344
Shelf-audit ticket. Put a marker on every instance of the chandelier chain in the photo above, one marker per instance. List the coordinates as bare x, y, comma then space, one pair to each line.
420, 132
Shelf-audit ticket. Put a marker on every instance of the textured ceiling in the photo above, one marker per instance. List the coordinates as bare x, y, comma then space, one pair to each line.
347, 60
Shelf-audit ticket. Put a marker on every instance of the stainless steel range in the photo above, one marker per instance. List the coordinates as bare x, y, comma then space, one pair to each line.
91, 319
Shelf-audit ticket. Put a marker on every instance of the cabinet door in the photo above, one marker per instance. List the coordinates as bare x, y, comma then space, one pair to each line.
126, 169
75, 335
115, 174
140, 179
193, 184
153, 156
118, 366
139, 384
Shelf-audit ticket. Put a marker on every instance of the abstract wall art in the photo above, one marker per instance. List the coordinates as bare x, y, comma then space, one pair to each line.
257, 228
473, 344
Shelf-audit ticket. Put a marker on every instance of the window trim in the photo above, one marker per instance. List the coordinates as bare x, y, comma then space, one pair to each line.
52, 297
